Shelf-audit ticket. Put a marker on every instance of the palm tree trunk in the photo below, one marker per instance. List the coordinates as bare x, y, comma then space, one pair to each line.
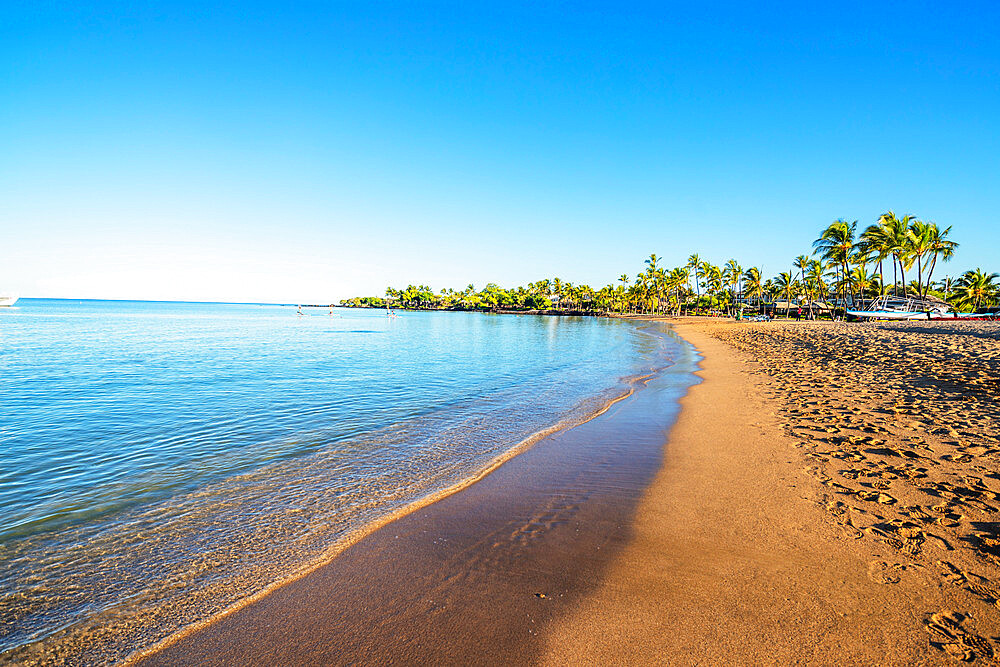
847, 285
930, 274
920, 276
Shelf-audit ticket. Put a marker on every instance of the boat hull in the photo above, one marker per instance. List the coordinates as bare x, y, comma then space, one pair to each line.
7, 301
896, 315
889, 315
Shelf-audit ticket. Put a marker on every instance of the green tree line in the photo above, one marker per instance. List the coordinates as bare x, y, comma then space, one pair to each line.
897, 255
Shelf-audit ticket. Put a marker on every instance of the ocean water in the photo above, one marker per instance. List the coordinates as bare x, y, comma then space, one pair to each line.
159, 461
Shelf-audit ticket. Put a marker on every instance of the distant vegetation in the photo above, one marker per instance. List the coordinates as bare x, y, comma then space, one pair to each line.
844, 265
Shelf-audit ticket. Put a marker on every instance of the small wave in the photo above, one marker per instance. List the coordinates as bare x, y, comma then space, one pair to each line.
98, 587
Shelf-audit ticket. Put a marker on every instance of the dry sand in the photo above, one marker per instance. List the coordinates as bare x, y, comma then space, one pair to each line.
825, 499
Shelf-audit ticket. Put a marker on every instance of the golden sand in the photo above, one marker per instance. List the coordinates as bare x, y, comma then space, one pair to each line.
830, 496
899, 422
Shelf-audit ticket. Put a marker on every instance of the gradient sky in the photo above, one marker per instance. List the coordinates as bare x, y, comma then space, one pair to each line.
253, 152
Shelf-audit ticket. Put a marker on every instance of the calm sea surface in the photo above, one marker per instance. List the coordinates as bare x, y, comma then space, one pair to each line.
161, 460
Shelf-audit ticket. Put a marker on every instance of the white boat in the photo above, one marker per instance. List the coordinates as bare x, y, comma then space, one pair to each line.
906, 308
7, 300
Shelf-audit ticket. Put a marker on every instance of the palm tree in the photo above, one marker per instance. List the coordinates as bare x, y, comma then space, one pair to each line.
694, 262
919, 246
908, 253
733, 273
815, 275
623, 279
801, 263
675, 282
713, 280
892, 240
974, 287
785, 283
571, 294
899, 243
653, 281
662, 289
835, 244
939, 246
642, 288
754, 284
860, 281
875, 244
771, 290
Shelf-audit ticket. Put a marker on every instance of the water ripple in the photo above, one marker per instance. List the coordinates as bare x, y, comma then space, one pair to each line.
161, 460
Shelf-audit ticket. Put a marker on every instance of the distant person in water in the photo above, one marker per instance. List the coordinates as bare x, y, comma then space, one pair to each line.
299, 311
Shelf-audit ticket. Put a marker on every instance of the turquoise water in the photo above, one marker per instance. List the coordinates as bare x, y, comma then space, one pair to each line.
160, 460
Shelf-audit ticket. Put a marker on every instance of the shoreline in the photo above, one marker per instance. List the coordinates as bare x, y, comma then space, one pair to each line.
744, 535
368, 529
733, 561
114, 634
94, 640
476, 575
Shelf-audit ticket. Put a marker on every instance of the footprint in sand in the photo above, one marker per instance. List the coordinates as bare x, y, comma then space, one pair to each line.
882, 573
989, 594
850, 531
885, 538
912, 547
946, 632
943, 507
943, 543
916, 512
951, 574
555, 513
846, 524
876, 497
948, 522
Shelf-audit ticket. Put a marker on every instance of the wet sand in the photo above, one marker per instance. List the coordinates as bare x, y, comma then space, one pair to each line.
475, 578
828, 495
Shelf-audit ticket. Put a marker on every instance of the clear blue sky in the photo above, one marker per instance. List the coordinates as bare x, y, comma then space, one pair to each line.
261, 152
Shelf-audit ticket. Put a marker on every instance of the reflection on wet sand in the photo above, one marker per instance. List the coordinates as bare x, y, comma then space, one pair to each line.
476, 576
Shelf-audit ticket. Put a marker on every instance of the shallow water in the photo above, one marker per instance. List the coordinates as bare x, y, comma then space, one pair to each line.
160, 460
480, 574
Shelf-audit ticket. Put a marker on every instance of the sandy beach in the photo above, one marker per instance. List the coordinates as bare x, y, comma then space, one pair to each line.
346, 333
824, 498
